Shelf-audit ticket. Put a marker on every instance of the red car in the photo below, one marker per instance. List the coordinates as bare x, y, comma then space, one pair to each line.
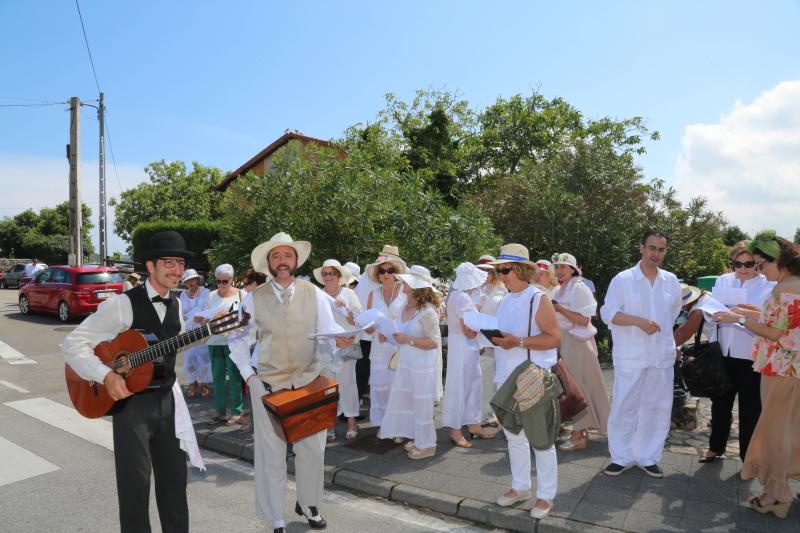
69, 291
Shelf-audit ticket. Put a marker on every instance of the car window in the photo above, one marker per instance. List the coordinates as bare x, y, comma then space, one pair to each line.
100, 277
19, 268
45, 276
59, 276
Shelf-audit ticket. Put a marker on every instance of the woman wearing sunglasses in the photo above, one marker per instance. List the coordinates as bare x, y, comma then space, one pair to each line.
737, 346
389, 298
222, 367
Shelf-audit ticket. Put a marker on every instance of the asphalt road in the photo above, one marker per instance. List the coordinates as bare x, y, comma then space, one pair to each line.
57, 469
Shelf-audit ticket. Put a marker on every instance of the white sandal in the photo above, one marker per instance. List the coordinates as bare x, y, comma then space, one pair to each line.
351, 434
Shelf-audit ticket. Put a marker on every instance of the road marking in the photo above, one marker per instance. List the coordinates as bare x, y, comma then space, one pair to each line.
96, 431
14, 387
357, 503
14, 357
17, 463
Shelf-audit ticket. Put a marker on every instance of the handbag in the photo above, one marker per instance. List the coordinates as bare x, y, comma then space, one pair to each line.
393, 360
703, 367
572, 401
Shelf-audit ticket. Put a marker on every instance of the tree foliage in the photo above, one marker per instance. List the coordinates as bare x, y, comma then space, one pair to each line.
171, 193
44, 235
733, 234
198, 234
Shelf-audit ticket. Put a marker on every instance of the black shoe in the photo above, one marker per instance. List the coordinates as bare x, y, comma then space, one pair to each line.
278, 530
652, 470
614, 469
315, 520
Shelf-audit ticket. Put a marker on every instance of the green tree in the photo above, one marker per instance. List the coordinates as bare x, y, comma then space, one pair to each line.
797, 236
171, 194
733, 234
44, 235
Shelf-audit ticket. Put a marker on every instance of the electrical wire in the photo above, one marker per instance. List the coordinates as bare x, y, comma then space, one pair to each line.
86, 40
44, 104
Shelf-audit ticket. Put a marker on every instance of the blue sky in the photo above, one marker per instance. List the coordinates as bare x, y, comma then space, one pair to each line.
216, 82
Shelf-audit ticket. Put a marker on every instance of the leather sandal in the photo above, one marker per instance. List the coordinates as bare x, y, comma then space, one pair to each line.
460, 441
351, 433
234, 420
779, 509
706, 458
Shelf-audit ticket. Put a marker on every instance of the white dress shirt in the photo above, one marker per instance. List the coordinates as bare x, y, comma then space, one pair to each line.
240, 342
630, 292
31, 269
112, 317
737, 341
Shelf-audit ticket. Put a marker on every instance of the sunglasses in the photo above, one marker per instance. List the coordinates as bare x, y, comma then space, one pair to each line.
222, 281
382, 271
328, 274
503, 271
744, 264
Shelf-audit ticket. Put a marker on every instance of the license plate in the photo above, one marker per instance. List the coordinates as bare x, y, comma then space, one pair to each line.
104, 294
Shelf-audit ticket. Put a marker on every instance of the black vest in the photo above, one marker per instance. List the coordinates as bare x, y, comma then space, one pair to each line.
145, 319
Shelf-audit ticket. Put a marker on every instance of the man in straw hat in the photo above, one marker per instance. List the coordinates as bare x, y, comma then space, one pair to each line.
641, 306
283, 312
144, 428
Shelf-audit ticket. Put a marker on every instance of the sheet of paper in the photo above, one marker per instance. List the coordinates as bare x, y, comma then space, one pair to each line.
385, 325
729, 296
478, 321
208, 314
347, 333
711, 306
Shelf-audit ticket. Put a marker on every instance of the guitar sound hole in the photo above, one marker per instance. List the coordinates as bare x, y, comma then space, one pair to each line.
121, 365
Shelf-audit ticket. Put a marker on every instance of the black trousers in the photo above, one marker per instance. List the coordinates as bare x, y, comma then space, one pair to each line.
362, 369
747, 384
144, 435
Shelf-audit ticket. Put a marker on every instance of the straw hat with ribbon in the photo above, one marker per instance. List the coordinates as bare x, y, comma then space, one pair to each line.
689, 294
513, 253
389, 254
417, 277
345, 276
259, 256
485, 262
468, 276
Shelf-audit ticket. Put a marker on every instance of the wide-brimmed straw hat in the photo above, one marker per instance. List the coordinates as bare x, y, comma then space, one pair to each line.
417, 277
190, 274
345, 275
468, 276
689, 294
566, 259
513, 253
389, 254
260, 252
485, 262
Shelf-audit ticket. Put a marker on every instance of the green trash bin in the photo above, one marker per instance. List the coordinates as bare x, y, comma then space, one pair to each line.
706, 283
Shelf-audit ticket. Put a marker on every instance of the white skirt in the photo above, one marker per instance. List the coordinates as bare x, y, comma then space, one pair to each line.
380, 379
197, 364
463, 392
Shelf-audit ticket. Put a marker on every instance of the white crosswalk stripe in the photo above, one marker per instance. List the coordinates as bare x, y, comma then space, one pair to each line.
17, 463
13, 356
16, 388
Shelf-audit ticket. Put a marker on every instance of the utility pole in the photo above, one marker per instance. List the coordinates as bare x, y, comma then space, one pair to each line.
75, 213
101, 115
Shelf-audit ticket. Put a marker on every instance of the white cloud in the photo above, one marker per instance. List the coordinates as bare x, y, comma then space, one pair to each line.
36, 182
748, 163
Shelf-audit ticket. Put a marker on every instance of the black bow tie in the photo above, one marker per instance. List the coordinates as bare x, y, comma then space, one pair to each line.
165, 301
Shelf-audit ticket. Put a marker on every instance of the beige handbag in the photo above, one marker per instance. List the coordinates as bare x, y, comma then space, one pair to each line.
393, 360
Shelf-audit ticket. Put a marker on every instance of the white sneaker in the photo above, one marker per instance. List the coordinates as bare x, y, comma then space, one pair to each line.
508, 501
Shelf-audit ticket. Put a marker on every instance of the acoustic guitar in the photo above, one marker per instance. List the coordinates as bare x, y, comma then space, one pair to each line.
131, 356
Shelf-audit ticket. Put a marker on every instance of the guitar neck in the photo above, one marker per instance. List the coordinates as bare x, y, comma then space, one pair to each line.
168, 346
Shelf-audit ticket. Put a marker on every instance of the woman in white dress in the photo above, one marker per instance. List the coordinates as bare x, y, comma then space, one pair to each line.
575, 305
409, 412
196, 362
463, 393
529, 325
388, 298
345, 306
491, 294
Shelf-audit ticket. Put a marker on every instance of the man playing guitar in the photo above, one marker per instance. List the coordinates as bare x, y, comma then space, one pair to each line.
144, 423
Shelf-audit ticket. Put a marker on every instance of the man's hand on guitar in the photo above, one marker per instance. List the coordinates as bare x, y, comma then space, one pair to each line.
116, 387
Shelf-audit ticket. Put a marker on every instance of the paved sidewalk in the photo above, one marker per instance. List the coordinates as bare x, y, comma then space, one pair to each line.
465, 482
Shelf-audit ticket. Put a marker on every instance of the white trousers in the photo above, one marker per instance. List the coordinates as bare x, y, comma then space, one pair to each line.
640, 415
519, 454
489, 388
270, 463
348, 390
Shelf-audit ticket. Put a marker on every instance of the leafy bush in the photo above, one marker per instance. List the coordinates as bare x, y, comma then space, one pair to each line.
198, 234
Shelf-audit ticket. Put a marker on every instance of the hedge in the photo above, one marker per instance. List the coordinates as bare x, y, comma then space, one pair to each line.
198, 234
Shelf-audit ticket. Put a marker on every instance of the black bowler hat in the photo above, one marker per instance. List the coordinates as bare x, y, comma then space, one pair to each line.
166, 244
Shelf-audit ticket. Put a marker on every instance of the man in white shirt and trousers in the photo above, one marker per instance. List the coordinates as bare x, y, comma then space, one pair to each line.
641, 306
284, 311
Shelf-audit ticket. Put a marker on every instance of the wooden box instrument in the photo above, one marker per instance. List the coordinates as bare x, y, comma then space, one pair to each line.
306, 410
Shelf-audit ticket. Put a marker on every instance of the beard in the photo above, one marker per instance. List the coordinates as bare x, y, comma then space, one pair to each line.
274, 272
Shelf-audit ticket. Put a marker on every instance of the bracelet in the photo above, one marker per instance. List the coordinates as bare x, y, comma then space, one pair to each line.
411, 342
522, 342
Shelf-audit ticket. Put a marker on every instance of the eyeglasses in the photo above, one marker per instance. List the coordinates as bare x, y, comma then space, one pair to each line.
744, 264
170, 262
503, 271
382, 271
328, 274
222, 281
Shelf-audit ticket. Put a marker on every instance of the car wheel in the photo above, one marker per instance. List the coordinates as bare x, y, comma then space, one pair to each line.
63, 311
24, 306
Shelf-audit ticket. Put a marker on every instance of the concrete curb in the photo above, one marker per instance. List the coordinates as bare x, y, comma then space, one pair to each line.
483, 513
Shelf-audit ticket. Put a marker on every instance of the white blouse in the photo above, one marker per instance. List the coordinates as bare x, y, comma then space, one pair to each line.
737, 341
575, 296
214, 302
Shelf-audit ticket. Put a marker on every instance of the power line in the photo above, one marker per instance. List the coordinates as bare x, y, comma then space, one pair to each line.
86, 40
43, 104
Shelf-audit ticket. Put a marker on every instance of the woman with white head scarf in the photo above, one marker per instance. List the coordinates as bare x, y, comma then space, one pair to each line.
196, 361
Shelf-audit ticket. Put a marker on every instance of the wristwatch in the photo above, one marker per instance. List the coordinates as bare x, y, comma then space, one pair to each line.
411, 342
522, 342
742, 320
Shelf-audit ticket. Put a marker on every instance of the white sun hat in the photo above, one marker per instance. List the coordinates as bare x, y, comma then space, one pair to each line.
345, 275
513, 253
417, 277
468, 276
259, 255
354, 269
190, 274
566, 259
